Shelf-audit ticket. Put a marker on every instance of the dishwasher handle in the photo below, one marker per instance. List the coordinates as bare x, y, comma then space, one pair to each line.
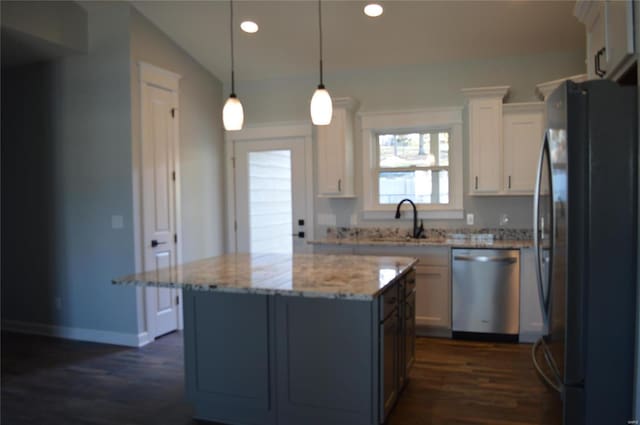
485, 259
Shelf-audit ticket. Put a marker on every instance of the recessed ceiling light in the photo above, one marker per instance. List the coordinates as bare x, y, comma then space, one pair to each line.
249, 26
373, 10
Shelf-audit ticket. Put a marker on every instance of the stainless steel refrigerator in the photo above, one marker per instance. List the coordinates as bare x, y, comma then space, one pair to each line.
585, 212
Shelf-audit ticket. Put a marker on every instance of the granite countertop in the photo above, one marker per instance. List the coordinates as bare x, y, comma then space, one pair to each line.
308, 275
444, 242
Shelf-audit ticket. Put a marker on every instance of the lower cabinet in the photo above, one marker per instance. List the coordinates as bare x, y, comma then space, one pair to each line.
433, 300
432, 288
531, 323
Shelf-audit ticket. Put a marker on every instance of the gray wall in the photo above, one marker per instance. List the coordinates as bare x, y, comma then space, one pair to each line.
66, 168
201, 136
413, 87
71, 131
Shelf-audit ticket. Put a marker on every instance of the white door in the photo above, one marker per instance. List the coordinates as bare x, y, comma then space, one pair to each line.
159, 135
270, 189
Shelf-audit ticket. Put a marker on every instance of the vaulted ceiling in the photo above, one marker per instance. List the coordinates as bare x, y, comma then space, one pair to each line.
409, 32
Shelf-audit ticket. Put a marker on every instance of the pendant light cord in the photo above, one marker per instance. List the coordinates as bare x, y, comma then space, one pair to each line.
320, 27
233, 84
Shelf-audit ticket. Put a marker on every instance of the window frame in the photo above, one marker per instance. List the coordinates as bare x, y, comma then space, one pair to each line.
400, 122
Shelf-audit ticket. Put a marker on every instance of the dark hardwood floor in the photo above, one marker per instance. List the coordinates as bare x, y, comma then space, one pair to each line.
47, 381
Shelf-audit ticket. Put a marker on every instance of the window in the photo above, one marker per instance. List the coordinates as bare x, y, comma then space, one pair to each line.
415, 166
415, 155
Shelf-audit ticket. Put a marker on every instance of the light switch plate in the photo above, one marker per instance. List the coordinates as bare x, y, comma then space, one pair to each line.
117, 222
470, 219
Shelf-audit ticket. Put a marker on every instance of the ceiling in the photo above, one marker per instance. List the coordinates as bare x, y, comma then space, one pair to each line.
408, 33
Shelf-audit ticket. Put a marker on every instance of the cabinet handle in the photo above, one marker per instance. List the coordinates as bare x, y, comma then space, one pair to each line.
599, 71
476, 182
339, 185
509, 182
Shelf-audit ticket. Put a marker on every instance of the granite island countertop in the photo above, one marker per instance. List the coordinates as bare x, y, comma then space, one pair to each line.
409, 242
307, 275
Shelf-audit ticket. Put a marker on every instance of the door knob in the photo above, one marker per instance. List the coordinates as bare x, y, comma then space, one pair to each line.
155, 243
299, 234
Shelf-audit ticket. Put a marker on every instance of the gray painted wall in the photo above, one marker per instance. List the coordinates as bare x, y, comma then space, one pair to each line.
66, 165
201, 136
412, 87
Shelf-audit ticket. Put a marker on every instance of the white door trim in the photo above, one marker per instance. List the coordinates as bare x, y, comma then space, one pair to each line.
287, 130
149, 74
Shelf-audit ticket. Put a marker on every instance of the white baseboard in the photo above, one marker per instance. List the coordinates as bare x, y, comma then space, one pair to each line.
79, 334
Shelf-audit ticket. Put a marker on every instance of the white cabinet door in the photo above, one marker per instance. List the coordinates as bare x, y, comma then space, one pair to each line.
618, 33
523, 132
335, 152
485, 139
531, 324
433, 300
610, 36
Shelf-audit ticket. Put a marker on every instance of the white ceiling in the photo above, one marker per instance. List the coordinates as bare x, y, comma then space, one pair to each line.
409, 32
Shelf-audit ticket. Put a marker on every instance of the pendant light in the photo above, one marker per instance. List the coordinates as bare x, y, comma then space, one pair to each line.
321, 106
232, 113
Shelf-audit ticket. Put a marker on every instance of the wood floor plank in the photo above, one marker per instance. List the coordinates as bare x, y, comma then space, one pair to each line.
48, 381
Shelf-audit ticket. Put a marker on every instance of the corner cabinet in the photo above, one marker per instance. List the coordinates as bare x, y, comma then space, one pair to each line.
610, 36
523, 129
334, 144
485, 138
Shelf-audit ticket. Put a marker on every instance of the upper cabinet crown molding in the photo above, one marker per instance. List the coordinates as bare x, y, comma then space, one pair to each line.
347, 103
543, 90
495, 91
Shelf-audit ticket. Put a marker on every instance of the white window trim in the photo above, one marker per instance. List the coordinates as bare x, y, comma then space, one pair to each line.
373, 123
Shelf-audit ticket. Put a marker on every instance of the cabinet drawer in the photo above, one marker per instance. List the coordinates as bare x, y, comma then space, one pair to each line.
389, 300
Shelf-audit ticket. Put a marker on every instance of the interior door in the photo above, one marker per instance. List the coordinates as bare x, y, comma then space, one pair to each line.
270, 182
158, 201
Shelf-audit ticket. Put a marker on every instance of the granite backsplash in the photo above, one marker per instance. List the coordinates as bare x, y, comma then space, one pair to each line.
433, 233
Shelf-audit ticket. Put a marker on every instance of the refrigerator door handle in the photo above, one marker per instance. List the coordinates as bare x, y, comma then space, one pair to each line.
537, 232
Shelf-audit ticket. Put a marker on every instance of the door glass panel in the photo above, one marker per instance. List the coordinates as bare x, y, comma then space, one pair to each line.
270, 202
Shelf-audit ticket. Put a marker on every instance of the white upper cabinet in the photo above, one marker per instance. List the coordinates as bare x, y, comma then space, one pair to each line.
485, 139
523, 126
610, 36
335, 152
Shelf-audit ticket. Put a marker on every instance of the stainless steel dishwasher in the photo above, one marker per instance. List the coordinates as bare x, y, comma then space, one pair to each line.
486, 293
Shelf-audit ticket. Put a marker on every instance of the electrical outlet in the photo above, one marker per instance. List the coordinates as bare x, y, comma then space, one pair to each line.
470, 219
504, 219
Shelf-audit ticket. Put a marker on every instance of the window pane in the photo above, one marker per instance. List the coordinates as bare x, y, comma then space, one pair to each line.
413, 149
270, 205
422, 187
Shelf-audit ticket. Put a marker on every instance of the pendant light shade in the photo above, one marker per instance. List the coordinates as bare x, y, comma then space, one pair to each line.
321, 107
232, 113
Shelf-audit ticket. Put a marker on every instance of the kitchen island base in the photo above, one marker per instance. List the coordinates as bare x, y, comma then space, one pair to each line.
285, 360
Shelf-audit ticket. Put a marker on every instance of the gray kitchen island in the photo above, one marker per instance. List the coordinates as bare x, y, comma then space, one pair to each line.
294, 339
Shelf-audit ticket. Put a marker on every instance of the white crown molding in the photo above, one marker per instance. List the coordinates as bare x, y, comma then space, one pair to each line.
584, 10
543, 90
348, 103
495, 91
